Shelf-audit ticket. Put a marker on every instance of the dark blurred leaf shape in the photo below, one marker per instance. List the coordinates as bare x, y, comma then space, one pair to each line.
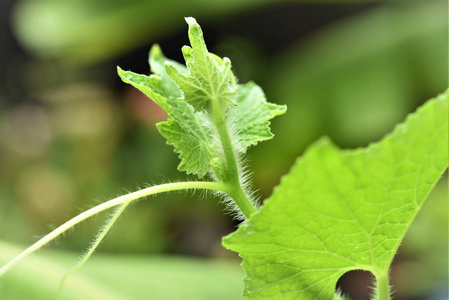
425, 265
353, 80
119, 277
90, 31
361, 72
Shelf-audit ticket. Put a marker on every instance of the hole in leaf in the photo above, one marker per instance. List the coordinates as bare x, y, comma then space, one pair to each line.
356, 285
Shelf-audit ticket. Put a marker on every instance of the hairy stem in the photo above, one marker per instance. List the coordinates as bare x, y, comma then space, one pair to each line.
242, 201
94, 246
383, 287
232, 177
109, 204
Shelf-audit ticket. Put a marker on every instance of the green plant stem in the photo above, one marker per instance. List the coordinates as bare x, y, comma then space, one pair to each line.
383, 287
241, 199
94, 246
109, 204
231, 172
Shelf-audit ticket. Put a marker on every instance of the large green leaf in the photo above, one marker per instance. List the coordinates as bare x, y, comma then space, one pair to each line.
338, 210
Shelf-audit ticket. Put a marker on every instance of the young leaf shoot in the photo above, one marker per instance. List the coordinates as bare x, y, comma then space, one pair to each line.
336, 211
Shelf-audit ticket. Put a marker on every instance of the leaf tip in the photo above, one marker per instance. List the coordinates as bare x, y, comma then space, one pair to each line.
120, 72
155, 51
186, 52
322, 141
169, 67
195, 34
190, 21
280, 110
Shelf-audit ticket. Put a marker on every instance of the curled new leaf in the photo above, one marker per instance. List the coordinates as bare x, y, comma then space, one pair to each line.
187, 93
184, 129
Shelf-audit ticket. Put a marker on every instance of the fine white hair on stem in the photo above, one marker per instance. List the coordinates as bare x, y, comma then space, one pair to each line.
94, 245
375, 288
340, 295
131, 197
242, 162
244, 177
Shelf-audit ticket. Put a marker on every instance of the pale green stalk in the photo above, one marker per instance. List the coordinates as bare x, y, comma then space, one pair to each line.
168, 187
94, 246
232, 178
382, 287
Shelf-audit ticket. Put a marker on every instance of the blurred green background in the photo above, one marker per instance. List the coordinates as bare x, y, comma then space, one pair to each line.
73, 135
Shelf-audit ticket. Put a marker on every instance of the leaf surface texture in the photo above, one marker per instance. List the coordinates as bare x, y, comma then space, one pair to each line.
341, 210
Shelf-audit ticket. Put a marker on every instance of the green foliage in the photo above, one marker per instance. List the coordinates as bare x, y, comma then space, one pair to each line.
252, 117
338, 211
188, 95
352, 80
184, 128
209, 78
